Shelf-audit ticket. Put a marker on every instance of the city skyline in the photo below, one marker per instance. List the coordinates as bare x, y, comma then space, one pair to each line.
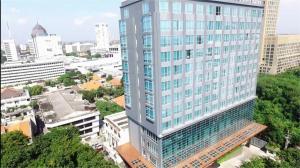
82, 17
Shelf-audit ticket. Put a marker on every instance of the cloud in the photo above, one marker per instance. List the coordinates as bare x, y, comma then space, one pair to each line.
82, 20
110, 15
22, 21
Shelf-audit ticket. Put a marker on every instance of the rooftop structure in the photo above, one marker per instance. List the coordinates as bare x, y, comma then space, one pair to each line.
11, 98
26, 126
120, 101
65, 107
38, 30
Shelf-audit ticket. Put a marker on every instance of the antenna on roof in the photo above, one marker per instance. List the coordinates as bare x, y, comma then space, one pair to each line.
9, 33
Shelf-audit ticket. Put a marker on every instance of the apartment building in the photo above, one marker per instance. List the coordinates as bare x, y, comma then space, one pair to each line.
13, 98
10, 50
115, 131
20, 73
190, 71
279, 52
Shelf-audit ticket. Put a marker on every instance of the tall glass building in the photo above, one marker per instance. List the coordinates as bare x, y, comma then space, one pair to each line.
190, 70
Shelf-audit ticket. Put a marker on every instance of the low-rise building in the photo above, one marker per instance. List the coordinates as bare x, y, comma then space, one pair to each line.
13, 98
280, 53
20, 73
26, 126
115, 131
120, 101
66, 107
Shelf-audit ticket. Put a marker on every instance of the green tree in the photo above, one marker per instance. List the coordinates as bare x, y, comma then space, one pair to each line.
35, 90
109, 78
34, 105
89, 95
106, 108
61, 147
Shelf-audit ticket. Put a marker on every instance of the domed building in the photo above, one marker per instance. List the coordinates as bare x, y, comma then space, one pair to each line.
45, 45
38, 30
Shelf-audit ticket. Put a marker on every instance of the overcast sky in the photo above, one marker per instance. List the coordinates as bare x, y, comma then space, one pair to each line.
74, 20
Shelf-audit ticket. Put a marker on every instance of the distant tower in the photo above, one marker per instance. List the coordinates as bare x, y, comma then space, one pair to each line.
9, 47
102, 38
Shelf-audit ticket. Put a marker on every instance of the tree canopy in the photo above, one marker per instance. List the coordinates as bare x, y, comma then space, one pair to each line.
278, 106
59, 148
107, 108
35, 90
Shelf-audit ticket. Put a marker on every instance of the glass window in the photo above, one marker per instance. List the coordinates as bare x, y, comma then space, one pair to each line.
227, 11
199, 53
210, 10
147, 40
149, 113
166, 125
177, 121
148, 85
165, 41
189, 8
178, 108
218, 10
177, 55
165, 85
165, 71
189, 25
177, 96
199, 9
188, 93
188, 105
189, 40
189, 54
147, 56
165, 25
176, 40
149, 98
166, 99
147, 24
177, 83
200, 25
165, 56
210, 25
146, 8
126, 13
199, 39
177, 25
177, 69
188, 80
148, 71
166, 112
188, 67
176, 7
122, 28
163, 6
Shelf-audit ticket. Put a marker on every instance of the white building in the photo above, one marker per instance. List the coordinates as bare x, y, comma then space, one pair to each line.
19, 73
102, 36
78, 47
30, 45
65, 107
10, 50
13, 98
100, 64
46, 46
115, 131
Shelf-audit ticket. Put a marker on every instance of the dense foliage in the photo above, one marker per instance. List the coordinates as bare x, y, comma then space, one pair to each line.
287, 159
107, 108
35, 90
101, 92
67, 79
59, 148
278, 107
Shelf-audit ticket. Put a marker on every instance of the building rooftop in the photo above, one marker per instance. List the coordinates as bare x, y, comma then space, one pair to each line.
120, 101
38, 30
63, 105
8, 93
115, 82
205, 157
93, 84
24, 126
119, 120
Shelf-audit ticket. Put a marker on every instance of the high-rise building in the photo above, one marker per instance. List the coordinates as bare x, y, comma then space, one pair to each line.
46, 46
189, 71
102, 36
279, 52
10, 50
